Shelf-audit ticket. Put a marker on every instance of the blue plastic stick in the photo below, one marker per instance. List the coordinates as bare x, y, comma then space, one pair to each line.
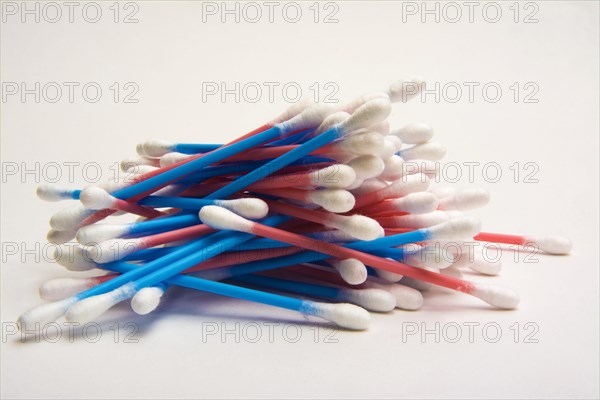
163, 224
276, 164
195, 148
180, 171
302, 288
187, 203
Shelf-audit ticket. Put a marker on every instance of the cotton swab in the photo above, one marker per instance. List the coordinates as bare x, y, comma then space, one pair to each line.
95, 198
371, 299
467, 199
247, 207
367, 166
400, 188
222, 219
413, 203
357, 226
333, 200
550, 244
413, 221
414, 133
101, 232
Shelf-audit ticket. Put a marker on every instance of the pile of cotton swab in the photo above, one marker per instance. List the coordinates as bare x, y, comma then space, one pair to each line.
324, 210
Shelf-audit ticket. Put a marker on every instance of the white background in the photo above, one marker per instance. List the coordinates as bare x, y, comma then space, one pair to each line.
171, 51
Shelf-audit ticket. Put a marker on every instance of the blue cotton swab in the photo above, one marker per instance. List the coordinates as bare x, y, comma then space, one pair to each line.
371, 299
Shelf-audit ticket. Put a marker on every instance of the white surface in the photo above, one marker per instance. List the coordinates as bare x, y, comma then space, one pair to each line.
170, 52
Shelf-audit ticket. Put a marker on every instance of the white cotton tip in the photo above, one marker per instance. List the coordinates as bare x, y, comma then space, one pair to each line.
73, 258
310, 117
406, 185
357, 183
139, 149
172, 158
98, 233
89, 309
112, 250
293, 110
223, 219
371, 113
419, 221
70, 217
361, 143
426, 257
358, 226
497, 296
432, 151
457, 228
367, 166
467, 199
368, 186
129, 163
157, 147
393, 168
348, 316
354, 104
351, 270
247, 208
417, 203
376, 300
35, 319
388, 149
61, 288
406, 89
96, 198
331, 121
383, 127
335, 176
443, 191
551, 244
139, 170
112, 185
60, 237
388, 276
396, 140
407, 298
333, 200
478, 263
414, 133
146, 300
48, 192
